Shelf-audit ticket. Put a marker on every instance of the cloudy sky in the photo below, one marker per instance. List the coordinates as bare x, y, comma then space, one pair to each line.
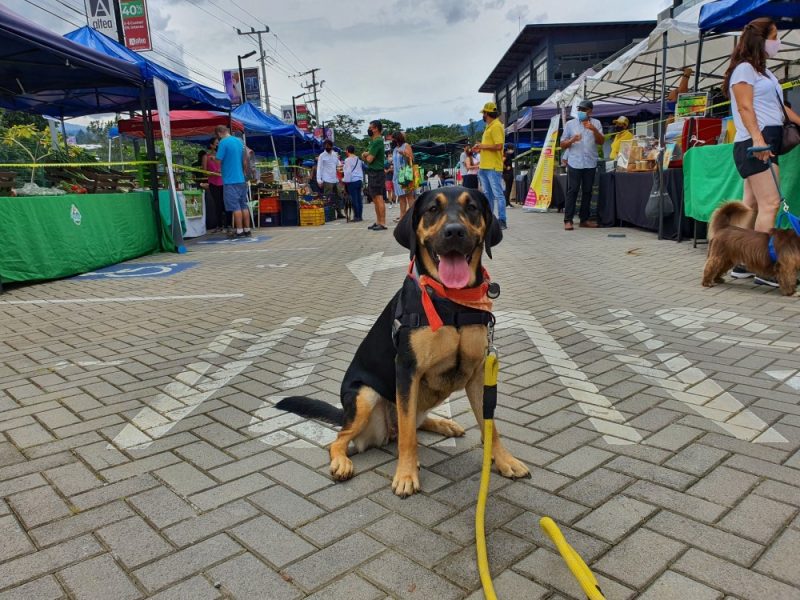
413, 61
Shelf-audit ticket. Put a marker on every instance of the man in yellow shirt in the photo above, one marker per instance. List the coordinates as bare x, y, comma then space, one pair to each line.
622, 125
491, 171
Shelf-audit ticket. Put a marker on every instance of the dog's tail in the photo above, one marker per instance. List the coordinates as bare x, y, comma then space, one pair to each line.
730, 213
312, 409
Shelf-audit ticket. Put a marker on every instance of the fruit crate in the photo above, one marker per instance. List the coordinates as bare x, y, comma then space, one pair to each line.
330, 213
270, 204
312, 216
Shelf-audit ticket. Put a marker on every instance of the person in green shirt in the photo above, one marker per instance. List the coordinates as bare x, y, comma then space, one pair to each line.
374, 159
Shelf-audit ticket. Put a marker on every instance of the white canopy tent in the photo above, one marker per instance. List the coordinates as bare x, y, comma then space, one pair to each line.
636, 75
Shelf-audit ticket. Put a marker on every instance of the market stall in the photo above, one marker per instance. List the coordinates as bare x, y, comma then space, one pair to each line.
57, 236
710, 179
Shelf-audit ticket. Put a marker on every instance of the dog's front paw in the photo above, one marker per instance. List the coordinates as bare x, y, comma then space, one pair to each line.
405, 483
341, 468
449, 428
510, 467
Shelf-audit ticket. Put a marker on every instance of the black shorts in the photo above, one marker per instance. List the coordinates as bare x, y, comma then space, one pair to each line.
376, 186
750, 165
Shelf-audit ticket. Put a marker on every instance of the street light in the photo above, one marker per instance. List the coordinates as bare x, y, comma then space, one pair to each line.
294, 108
241, 73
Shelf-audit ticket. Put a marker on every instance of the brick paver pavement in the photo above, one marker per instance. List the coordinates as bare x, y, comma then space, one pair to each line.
140, 455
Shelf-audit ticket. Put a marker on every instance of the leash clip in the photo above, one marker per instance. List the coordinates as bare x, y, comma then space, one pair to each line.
490, 348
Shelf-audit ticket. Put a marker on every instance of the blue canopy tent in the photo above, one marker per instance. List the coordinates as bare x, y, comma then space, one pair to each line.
267, 134
42, 73
183, 92
732, 15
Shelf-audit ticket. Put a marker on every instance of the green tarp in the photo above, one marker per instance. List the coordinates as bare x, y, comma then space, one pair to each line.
47, 237
710, 179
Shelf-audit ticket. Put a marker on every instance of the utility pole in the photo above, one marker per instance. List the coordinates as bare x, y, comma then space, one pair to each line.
313, 88
262, 60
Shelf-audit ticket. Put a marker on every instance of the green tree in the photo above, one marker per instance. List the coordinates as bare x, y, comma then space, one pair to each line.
9, 118
347, 130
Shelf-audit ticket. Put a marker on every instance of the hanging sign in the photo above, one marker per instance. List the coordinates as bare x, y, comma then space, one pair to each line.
691, 105
100, 16
135, 24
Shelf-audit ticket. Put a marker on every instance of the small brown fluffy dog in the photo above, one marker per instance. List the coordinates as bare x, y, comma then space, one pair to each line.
731, 244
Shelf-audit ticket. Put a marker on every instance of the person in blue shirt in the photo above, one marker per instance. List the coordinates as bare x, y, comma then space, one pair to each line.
581, 137
234, 164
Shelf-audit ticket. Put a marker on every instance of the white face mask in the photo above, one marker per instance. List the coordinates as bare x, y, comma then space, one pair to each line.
772, 47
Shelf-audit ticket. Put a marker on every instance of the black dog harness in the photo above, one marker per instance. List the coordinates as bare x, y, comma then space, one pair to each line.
410, 311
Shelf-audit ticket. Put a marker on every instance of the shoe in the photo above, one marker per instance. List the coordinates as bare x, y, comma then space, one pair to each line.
589, 224
248, 234
503, 224
770, 281
377, 227
741, 272
340, 215
373, 226
509, 205
240, 236
568, 226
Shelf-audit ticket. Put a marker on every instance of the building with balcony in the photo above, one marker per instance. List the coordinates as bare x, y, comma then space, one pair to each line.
546, 58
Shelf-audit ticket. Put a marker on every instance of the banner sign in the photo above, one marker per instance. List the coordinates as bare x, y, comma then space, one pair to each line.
541, 193
287, 115
303, 117
233, 87
135, 24
162, 104
100, 16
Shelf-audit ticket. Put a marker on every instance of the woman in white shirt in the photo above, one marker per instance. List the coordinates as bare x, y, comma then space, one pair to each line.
353, 177
758, 113
470, 164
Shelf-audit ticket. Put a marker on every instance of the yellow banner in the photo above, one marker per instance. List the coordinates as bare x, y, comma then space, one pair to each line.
541, 193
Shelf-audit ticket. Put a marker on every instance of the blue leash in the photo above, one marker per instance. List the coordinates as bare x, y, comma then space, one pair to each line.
785, 216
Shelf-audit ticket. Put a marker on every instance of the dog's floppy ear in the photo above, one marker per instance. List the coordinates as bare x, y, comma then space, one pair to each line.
406, 231
494, 235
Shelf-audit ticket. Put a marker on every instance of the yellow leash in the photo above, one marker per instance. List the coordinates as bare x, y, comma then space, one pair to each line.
490, 370
575, 563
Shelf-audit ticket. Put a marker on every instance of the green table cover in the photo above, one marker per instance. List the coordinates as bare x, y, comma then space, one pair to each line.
46, 237
710, 178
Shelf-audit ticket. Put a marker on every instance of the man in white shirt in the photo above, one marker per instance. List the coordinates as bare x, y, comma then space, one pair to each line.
327, 165
581, 137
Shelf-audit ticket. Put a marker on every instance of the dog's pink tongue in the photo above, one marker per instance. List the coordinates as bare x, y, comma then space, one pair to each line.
454, 270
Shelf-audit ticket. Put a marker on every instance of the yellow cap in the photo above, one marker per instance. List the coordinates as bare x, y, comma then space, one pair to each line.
622, 121
489, 107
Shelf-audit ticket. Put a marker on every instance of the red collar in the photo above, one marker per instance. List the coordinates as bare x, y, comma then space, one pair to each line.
474, 297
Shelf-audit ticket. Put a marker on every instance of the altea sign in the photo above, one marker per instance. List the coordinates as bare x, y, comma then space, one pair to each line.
135, 24
133, 15
100, 15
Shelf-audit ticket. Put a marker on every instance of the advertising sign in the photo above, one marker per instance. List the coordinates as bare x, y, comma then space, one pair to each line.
691, 105
541, 192
135, 24
303, 117
287, 115
233, 87
100, 15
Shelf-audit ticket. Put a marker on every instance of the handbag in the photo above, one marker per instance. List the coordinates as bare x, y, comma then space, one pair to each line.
791, 132
651, 209
405, 176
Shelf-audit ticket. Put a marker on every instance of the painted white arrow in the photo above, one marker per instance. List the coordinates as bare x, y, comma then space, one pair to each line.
788, 377
363, 268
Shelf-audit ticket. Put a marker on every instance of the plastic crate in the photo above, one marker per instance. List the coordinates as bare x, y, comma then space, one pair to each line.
270, 219
290, 213
312, 216
269, 205
330, 213
288, 195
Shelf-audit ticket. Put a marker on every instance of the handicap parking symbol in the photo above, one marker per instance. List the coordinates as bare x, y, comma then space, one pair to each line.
138, 270
237, 241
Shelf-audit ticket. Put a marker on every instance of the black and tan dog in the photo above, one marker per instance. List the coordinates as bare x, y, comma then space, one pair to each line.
424, 345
